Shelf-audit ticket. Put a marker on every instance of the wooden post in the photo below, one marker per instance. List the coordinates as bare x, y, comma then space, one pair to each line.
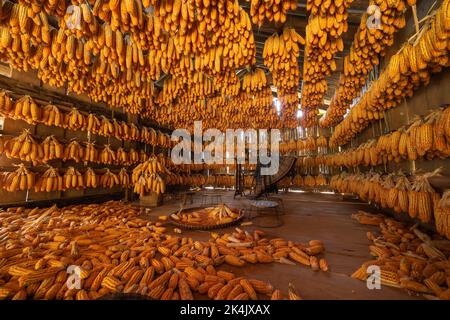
406, 111
387, 128
416, 19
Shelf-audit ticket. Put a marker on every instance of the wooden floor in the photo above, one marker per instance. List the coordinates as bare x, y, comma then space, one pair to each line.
310, 216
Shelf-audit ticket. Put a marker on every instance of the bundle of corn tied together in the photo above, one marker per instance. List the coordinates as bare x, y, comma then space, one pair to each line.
116, 251
254, 81
52, 149
275, 11
399, 195
19, 180
321, 180
309, 181
422, 198
442, 215
407, 258
49, 181
90, 178
24, 147
149, 177
109, 179
74, 151
298, 181
73, 179
25, 108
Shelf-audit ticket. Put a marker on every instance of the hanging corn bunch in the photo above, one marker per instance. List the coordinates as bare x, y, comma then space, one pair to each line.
442, 215
24, 147
134, 133
270, 10
93, 123
49, 181
321, 180
107, 155
149, 183
146, 177
74, 120
74, 151
121, 156
254, 81
82, 22
52, 116
297, 181
19, 180
322, 142
421, 198
90, 178
399, 195
108, 180
52, 149
124, 178
106, 127
310, 181
73, 179
143, 156
91, 153
6, 104
26, 109
280, 56
386, 186
133, 156
443, 125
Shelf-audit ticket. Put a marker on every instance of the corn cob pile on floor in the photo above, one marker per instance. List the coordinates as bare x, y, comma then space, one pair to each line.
121, 250
407, 257
117, 252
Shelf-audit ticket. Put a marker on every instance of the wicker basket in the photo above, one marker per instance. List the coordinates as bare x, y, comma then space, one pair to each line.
205, 227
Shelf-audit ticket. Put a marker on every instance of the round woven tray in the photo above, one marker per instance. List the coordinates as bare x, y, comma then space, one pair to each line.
208, 226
